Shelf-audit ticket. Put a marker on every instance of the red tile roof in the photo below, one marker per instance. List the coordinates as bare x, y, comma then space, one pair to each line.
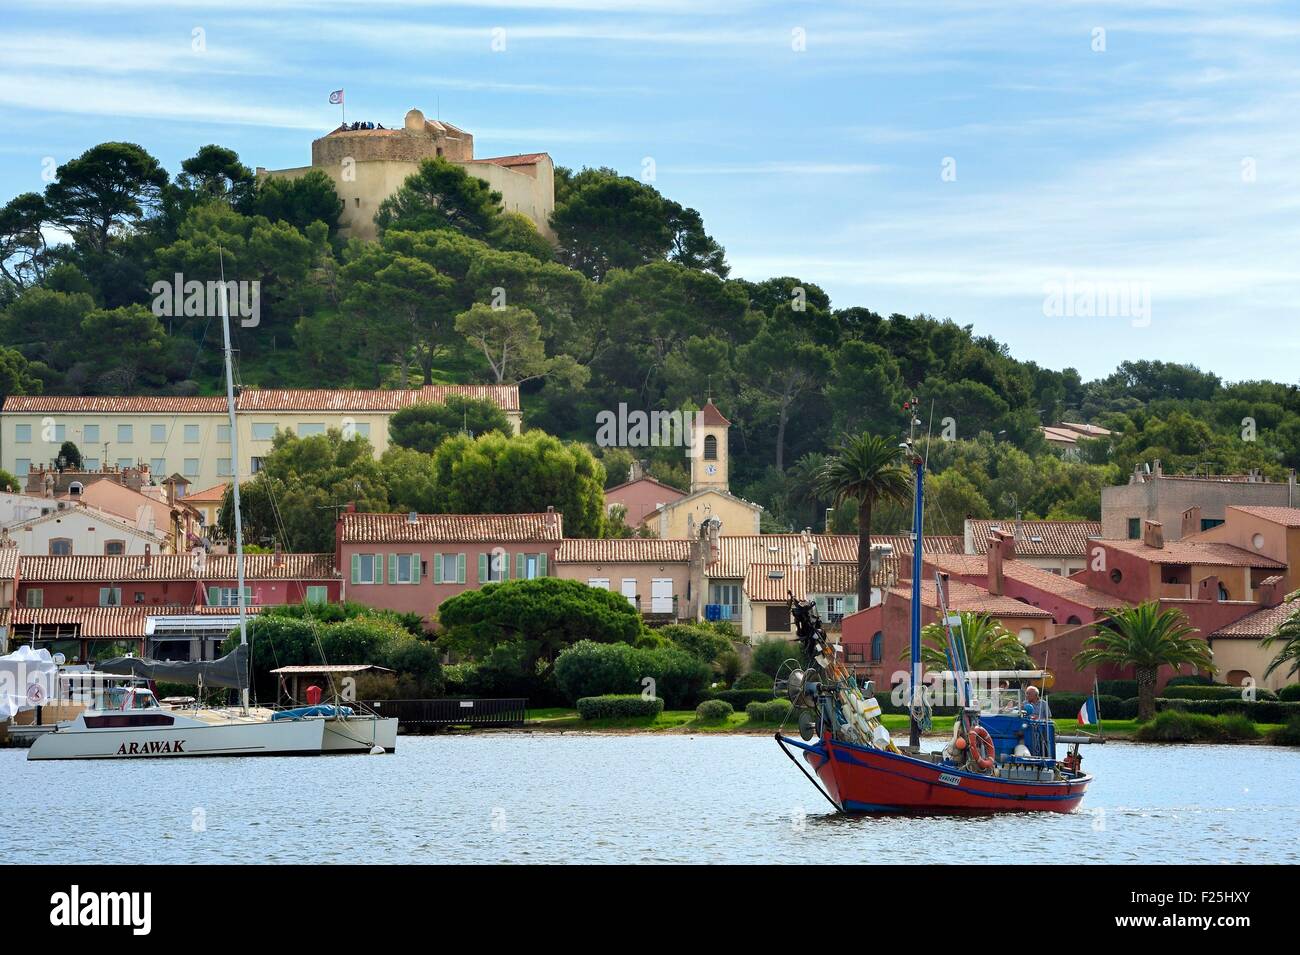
269, 399
209, 495
824, 578
88, 404
973, 565
963, 596
8, 561
737, 551
771, 583
521, 159
111, 622
359, 528
1205, 553
1286, 516
1036, 538
130, 568
1261, 623
645, 550
710, 415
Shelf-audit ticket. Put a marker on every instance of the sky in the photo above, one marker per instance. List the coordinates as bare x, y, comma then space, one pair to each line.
1087, 182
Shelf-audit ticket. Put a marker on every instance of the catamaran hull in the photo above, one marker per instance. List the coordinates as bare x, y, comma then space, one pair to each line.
861, 779
360, 734
281, 738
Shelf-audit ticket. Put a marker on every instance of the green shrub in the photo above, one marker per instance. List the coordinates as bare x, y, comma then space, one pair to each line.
614, 706
1290, 693
1288, 735
730, 665
594, 669
753, 680
1261, 711
773, 711
699, 640
1173, 726
770, 654
1124, 689
1216, 692
1190, 681
742, 697
1067, 705
713, 711
1239, 727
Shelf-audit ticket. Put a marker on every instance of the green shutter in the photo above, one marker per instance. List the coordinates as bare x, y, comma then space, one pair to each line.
356, 568
379, 568
541, 565
460, 568
415, 568
482, 568
851, 604
437, 568
392, 568
519, 566
248, 595
214, 596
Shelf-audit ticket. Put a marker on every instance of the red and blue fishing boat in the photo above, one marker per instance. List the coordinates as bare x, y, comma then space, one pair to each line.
1002, 754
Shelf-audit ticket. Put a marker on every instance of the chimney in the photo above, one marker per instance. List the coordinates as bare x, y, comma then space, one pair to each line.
1191, 521
148, 554
635, 471
1153, 534
1208, 589
1156, 469
995, 564
171, 493
413, 517
1269, 592
550, 515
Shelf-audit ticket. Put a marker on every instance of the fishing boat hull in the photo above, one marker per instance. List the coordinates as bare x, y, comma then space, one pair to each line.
865, 780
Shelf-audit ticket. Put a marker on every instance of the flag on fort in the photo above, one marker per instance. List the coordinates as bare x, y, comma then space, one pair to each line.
336, 98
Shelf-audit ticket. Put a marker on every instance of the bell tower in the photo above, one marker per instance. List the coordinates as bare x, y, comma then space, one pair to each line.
709, 466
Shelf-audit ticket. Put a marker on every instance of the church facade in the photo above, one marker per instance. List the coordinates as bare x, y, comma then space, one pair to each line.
368, 165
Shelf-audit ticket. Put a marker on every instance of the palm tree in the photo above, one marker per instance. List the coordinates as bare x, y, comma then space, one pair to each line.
1146, 638
989, 645
867, 469
805, 477
1288, 632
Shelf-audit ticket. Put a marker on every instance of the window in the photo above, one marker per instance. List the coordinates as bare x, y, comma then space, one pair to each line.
263, 430
1026, 635
778, 618
877, 647
35, 597
1223, 593
710, 447
367, 568
125, 463
158, 433
317, 595
114, 548
601, 583
307, 429
727, 596
223, 434
361, 429
158, 466
191, 467
448, 568
1208, 522
1073, 621
110, 596
75, 488
493, 567
22, 466
90, 434
139, 596
1134, 528
403, 568
125, 434
228, 596
23, 433
223, 467
530, 566
90, 464
60, 547
255, 464
1116, 576
191, 434
60, 433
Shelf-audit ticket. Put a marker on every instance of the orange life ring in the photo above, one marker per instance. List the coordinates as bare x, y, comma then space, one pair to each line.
981, 746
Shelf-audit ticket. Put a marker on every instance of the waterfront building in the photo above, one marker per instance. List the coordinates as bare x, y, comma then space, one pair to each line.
1057, 546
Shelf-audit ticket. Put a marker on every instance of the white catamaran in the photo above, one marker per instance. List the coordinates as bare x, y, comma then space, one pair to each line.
127, 721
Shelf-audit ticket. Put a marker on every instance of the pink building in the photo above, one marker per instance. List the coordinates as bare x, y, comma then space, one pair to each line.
640, 497
411, 563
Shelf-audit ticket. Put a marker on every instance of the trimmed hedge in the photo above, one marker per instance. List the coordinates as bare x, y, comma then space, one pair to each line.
1290, 693
1066, 705
1196, 680
1176, 727
713, 711
754, 680
1124, 689
742, 698
1261, 711
773, 711
614, 706
1218, 691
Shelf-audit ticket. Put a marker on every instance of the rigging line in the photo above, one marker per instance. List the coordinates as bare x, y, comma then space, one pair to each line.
803, 769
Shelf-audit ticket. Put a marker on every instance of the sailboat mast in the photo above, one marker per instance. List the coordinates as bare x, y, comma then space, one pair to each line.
234, 472
918, 512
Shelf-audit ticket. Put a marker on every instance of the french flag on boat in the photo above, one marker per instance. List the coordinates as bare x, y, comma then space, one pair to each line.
1088, 712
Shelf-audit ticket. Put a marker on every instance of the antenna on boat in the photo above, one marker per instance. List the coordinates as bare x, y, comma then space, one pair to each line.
234, 473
